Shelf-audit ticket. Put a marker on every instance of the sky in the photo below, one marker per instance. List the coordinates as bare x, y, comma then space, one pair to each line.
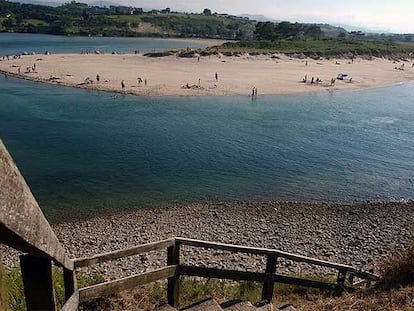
382, 15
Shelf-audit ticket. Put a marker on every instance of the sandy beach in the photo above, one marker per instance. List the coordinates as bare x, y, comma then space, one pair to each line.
174, 76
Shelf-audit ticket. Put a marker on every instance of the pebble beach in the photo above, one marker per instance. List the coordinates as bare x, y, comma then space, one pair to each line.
359, 234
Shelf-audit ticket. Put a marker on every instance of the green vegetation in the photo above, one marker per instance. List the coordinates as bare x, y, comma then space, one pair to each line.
320, 48
3, 296
13, 287
309, 40
79, 19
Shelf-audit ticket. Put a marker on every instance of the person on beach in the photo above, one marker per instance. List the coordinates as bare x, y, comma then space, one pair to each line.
145, 82
216, 76
98, 78
123, 84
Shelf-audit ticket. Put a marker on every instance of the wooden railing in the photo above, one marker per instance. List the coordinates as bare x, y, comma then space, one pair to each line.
24, 228
174, 270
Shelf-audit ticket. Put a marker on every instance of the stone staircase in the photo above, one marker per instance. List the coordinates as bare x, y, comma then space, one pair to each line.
210, 304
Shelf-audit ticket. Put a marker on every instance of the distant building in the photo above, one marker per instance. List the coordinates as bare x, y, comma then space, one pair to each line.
121, 10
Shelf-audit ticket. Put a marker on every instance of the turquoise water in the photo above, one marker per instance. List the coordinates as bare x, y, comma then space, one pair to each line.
82, 150
18, 43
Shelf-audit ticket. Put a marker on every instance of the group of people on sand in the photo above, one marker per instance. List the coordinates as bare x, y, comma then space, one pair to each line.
318, 81
140, 81
195, 86
312, 81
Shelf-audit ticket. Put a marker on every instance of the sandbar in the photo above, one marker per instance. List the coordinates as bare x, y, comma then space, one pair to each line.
196, 76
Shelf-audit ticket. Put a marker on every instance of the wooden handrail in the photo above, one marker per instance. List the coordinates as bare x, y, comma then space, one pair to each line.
223, 274
72, 304
174, 270
265, 251
112, 287
88, 261
22, 223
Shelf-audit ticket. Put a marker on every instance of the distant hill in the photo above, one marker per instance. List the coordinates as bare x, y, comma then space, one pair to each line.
38, 2
103, 4
258, 18
332, 31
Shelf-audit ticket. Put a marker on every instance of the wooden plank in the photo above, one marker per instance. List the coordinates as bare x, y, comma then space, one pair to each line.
37, 282
88, 261
214, 273
112, 287
269, 283
69, 279
22, 223
72, 304
304, 282
365, 275
263, 251
173, 285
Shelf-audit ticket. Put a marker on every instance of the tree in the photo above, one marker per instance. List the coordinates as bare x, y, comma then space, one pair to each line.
265, 31
207, 12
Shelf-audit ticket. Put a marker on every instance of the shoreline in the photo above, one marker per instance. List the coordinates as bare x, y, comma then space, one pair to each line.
236, 76
360, 234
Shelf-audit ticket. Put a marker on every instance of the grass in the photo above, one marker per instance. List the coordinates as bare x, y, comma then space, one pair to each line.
12, 287
393, 292
3, 296
398, 270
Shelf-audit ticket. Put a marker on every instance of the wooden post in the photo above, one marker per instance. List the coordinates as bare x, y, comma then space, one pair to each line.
173, 258
69, 279
351, 279
38, 283
340, 282
269, 283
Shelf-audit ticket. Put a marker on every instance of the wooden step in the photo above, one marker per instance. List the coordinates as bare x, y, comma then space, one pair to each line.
207, 304
238, 306
286, 307
264, 306
165, 308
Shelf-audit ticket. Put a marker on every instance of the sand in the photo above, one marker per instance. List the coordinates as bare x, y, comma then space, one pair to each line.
166, 76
